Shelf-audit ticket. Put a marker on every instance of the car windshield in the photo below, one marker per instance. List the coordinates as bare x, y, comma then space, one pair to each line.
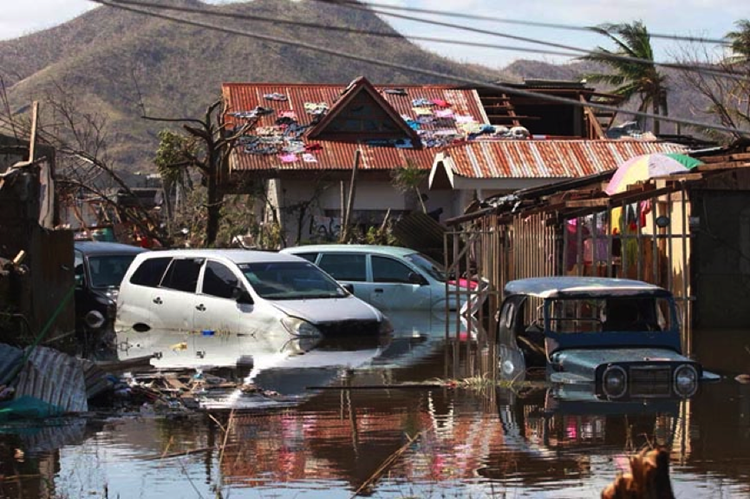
617, 313
290, 281
107, 271
430, 266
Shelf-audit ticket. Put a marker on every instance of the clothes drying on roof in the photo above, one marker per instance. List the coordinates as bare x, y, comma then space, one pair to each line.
275, 97
316, 108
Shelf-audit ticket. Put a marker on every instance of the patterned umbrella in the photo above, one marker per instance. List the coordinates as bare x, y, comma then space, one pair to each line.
647, 166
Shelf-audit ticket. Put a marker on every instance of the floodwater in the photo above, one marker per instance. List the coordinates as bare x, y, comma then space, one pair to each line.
330, 430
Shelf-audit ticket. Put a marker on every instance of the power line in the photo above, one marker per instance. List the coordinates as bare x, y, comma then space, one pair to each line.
411, 69
519, 22
343, 29
599, 53
358, 6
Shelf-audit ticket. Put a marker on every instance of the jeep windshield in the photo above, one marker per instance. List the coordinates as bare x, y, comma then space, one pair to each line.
620, 313
290, 281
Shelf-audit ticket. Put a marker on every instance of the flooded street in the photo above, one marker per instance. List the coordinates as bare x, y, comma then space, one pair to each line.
325, 427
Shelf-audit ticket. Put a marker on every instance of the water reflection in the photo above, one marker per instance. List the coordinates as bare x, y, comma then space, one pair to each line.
343, 418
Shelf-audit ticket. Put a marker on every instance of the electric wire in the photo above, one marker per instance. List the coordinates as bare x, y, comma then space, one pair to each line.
412, 69
585, 52
344, 29
572, 50
519, 22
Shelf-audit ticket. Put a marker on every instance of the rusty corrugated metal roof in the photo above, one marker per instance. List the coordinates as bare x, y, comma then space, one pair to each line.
336, 155
546, 158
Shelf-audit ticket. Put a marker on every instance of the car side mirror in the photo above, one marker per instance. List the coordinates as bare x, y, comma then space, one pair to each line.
349, 287
241, 295
415, 278
78, 280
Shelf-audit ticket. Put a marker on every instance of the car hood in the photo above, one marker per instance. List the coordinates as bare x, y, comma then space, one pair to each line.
585, 361
320, 311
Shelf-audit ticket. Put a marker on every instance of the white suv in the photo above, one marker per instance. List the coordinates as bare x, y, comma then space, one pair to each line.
239, 291
388, 277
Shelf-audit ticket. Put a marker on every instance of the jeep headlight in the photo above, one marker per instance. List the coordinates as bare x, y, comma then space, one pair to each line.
300, 327
614, 382
685, 380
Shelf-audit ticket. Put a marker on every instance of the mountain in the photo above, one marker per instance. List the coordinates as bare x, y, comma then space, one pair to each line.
109, 61
115, 64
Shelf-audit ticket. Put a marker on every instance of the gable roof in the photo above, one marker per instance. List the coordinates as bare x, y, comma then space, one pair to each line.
361, 92
308, 105
538, 159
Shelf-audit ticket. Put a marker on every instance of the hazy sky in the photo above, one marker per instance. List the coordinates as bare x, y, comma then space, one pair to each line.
707, 18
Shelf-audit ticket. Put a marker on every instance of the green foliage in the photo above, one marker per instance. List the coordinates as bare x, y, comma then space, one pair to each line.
408, 177
380, 235
237, 219
740, 39
631, 78
173, 155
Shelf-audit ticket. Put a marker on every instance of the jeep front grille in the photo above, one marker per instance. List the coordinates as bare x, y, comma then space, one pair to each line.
650, 381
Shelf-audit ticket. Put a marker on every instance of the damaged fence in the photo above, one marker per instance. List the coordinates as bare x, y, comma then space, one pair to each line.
647, 233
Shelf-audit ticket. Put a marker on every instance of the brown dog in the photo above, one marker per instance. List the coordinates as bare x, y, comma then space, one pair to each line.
648, 478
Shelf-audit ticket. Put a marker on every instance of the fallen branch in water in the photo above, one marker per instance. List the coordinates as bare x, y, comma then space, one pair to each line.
190, 452
387, 463
471, 383
648, 478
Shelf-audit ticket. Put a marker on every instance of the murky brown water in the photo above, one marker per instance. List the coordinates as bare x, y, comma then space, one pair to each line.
335, 442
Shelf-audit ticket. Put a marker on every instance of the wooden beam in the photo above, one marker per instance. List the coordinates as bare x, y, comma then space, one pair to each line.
743, 156
512, 117
721, 166
588, 203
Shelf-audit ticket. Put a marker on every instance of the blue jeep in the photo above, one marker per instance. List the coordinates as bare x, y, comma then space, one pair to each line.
619, 336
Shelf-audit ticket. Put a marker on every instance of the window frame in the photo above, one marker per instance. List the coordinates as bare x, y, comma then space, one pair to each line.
173, 263
202, 278
150, 261
393, 260
365, 256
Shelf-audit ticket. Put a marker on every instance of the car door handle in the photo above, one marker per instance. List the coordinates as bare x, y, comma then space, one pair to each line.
157, 300
378, 290
200, 307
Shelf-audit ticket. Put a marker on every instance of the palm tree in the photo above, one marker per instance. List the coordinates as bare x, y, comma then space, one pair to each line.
740, 40
631, 78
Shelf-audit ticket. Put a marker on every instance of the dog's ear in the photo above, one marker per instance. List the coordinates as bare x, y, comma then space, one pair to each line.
648, 478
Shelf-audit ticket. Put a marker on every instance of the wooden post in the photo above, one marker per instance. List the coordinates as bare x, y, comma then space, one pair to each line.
32, 138
350, 200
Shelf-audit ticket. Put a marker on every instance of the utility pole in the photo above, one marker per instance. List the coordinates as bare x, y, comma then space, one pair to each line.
350, 201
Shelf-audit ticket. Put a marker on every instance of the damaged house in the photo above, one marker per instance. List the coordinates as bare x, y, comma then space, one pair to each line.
36, 260
687, 231
306, 143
